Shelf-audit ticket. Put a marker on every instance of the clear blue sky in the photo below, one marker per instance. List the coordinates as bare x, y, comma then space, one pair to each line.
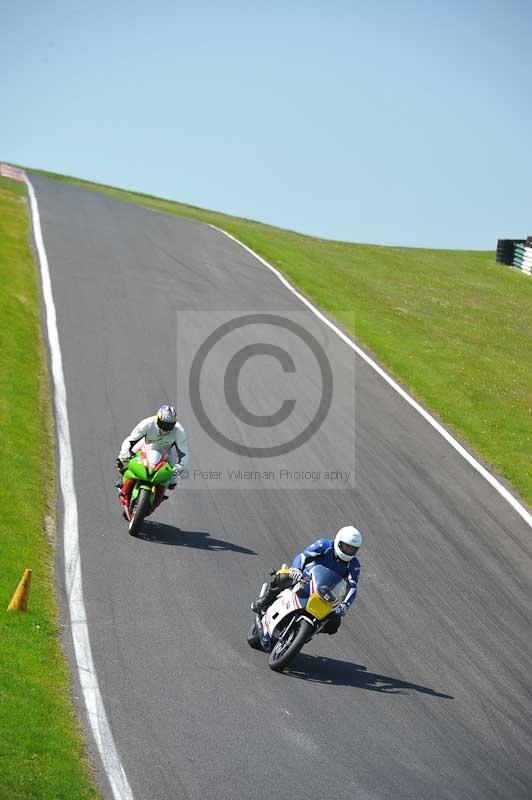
388, 122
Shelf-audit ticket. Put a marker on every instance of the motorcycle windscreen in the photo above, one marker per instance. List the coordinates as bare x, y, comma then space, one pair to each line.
327, 584
153, 456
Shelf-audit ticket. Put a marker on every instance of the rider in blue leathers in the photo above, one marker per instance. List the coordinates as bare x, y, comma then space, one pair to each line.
338, 554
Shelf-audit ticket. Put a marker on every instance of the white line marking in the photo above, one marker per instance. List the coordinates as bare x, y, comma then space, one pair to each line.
497, 485
78, 618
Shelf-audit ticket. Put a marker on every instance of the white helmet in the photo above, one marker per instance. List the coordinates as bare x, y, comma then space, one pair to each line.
346, 543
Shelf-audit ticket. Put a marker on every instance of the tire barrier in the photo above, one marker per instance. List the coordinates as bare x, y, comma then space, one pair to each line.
516, 253
523, 258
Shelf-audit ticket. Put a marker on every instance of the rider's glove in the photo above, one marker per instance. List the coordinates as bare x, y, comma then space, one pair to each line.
341, 609
295, 573
177, 470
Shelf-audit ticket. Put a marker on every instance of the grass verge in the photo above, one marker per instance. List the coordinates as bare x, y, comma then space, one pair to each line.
41, 751
454, 327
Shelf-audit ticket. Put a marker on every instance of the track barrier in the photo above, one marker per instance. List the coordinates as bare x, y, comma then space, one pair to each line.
7, 171
516, 253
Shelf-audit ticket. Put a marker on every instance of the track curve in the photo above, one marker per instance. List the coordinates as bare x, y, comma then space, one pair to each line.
426, 690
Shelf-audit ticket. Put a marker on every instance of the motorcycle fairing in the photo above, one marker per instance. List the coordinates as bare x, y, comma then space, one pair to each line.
317, 597
149, 469
149, 465
317, 607
286, 604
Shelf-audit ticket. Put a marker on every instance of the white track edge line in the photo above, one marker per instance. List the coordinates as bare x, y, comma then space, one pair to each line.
78, 617
491, 479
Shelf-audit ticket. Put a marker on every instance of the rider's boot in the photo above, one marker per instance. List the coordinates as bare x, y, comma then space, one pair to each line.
261, 603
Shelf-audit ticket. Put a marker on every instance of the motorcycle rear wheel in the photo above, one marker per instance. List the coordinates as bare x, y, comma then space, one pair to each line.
254, 637
141, 509
284, 651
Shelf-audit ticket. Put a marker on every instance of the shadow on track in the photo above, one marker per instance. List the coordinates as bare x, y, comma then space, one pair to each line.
200, 540
321, 669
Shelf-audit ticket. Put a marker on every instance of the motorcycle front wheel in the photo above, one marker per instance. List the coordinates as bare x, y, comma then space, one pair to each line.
141, 509
287, 648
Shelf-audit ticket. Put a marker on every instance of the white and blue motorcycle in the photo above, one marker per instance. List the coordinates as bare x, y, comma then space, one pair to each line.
296, 615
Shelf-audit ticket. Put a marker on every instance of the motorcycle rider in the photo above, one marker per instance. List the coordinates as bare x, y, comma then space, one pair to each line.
163, 430
338, 554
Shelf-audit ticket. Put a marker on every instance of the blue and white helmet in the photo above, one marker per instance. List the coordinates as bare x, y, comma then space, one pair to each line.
166, 418
346, 542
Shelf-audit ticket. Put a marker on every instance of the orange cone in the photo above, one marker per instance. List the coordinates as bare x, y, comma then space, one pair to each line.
19, 601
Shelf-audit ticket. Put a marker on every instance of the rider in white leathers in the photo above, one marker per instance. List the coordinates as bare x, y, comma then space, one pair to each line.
163, 430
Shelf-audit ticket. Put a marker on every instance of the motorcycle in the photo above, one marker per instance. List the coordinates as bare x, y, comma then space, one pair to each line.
296, 615
149, 469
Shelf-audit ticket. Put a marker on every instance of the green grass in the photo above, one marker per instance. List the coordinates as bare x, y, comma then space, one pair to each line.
13, 186
41, 751
453, 326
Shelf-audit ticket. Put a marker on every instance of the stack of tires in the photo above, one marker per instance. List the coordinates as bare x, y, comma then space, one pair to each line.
516, 253
519, 254
506, 249
526, 265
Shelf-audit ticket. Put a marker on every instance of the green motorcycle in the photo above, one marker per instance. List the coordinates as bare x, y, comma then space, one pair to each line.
144, 481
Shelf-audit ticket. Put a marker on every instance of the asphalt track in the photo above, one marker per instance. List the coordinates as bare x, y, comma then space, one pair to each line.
426, 690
